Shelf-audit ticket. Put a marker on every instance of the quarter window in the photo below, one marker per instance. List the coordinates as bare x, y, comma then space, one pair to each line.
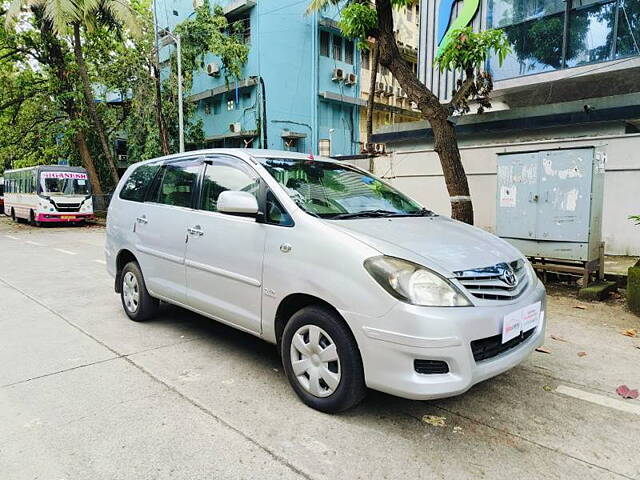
138, 182
223, 175
276, 214
178, 184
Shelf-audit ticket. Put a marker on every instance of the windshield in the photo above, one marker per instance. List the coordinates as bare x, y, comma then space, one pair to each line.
330, 190
65, 183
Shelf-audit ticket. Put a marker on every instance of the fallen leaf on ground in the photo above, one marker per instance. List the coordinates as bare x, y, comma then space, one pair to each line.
543, 350
626, 392
434, 420
559, 339
638, 347
547, 388
457, 429
580, 307
582, 354
630, 332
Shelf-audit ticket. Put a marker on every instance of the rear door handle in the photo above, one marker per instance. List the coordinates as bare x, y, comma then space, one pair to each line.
142, 219
196, 231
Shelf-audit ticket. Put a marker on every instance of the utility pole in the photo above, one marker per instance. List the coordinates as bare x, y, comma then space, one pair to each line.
167, 38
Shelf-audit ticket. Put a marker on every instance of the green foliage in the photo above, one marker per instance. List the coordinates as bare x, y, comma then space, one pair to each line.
635, 218
356, 20
210, 32
470, 50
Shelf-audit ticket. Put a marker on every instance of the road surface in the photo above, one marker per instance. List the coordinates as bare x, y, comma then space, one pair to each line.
87, 394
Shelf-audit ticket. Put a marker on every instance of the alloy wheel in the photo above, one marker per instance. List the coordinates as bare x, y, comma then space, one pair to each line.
131, 292
315, 361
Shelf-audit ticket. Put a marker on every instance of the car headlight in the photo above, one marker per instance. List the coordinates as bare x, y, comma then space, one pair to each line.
414, 284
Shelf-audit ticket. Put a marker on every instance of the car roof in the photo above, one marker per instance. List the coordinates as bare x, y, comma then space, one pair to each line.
246, 153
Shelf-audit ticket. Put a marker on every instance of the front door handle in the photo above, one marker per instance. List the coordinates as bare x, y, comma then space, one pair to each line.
196, 231
142, 219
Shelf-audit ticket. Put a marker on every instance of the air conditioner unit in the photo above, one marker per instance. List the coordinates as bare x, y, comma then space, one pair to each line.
213, 69
351, 79
379, 87
338, 75
388, 91
197, 3
380, 148
235, 127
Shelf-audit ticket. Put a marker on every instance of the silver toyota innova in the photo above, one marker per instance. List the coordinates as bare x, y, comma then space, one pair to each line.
357, 284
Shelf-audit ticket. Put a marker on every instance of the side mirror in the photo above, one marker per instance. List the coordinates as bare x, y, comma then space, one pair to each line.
237, 203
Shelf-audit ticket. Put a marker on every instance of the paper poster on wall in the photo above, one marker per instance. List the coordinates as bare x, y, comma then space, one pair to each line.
508, 197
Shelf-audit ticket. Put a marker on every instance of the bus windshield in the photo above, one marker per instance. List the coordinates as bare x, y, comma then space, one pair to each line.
65, 183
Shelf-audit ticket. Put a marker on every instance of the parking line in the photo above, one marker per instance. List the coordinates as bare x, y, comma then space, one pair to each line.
30, 242
64, 251
101, 262
12, 237
622, 405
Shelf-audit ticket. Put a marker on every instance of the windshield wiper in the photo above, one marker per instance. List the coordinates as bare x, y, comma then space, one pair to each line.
366, 213
423, 212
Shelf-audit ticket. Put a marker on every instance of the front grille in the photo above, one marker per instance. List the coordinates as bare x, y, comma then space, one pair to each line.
489, 283
68, 207
430, 367
490, 347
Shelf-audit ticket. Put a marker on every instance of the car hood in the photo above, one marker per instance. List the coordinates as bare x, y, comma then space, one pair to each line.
440, 243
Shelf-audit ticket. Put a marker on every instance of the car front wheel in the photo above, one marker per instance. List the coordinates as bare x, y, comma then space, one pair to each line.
136, 301
322, 360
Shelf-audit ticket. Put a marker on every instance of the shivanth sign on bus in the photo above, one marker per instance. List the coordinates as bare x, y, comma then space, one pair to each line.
468, 10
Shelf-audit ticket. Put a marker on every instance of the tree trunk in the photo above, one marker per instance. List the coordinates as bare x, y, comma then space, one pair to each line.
56, 60
445, 141
162, 127
87, 162
89, 100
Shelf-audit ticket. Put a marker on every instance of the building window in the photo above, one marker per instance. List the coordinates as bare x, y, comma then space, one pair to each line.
216, 106
324, 43
366, 55
348, 52
242, 28
628, 41
337, 48
553, 34
207, 107
231, 104
410, 13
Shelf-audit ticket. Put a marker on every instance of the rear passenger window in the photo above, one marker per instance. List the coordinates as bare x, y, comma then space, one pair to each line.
178, 184
138, 182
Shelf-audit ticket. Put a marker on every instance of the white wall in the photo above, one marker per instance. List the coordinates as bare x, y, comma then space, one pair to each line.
417, 172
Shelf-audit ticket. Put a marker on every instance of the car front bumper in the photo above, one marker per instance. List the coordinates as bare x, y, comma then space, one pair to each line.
390, 344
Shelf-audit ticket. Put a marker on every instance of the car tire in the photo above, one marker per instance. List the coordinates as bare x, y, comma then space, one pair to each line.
136, 301
328, 374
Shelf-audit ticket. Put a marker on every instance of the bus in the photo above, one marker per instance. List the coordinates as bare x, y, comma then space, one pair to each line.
48, 193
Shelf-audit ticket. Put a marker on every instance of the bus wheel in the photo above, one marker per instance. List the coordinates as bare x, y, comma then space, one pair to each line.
32, 219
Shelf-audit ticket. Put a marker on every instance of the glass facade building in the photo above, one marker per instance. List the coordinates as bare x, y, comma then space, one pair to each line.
549, 35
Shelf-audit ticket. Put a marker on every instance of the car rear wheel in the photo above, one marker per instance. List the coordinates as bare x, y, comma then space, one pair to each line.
136, 301
322, 360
